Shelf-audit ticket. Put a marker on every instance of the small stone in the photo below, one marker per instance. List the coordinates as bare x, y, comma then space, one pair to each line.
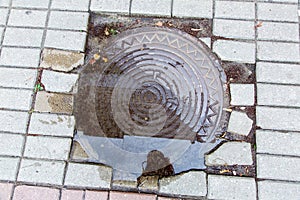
60, 60
239, 123
231, 153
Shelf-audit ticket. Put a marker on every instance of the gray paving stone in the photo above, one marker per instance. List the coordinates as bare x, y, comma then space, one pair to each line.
59, 82
11, 144
278, 31
4, 3
193, 8
234, 29
8, 168
277, 167
151, 7
282, 1
277, 12
29, 18
235, 51
20, 57
228, 188
234, 10
3, 15
30, 3
281, 143
18, 78
68, 20
35, 171
1, 31
15, 99
278, 51
119, 6
278, 118
242, 94
277, 73
239, 123
231, 153
52, 124
23, 37
86, 175
47, 147
191, 184
13, 121
278, 95
78, 5
272, 190
65, 40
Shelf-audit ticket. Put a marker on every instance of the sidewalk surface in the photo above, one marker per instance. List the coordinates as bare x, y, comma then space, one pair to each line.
37, 127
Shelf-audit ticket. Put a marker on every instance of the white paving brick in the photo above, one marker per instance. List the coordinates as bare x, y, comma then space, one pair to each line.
15, 99
234, 29
30, 3
68, 20
79, 5
1, 31
278, 95
277, 73
282, 1
59, 82
8, 168
11, 144
228, 188
151, 7
30, 18
18, 78
278, 51
278, 31
86, 175
120, 6
4, 3
274, 142
272, 190
193, 8
277, 12
20, 57
65, 40
235, 51
23, 37
242, 94
278, 118
239, 123
277, 167
13, 121
52, 124
47, 147
234, 10
35, 171
3, 16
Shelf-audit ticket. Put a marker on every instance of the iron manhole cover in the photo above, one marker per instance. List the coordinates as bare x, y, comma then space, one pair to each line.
153, 89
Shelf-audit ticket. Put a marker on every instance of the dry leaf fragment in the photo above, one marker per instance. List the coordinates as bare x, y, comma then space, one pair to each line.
92, 61
96, 56
259, 24
159, 23
106, 31
224, 171
105, 59
195, 29
227, 109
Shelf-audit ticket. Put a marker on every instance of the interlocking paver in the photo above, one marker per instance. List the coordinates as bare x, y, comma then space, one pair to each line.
193, 8
130, 196
24, 192
3, 16
96, 195
35, 171
11, 144
274, 142
52, 124
5, 190
235, 51
17, 78
4, 3
68, 20
234, 29
65, 40
86, 175
239, 123
234, 10
190, 183
278, 95
72, 194
277, 167
278, 51
30, 3
13, 121
59, 82
151, 7
228, 188
272, 190
78, 5
277, 73
120, 6
19, 57
277, 12
8, 168
242, 94
278, 118
23, 37
15, 99
47, 147
30, 18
